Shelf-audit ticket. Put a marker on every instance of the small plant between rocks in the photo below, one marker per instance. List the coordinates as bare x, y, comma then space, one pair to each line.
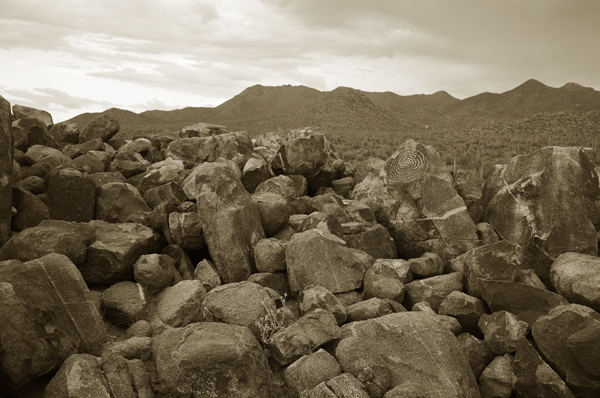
271, 323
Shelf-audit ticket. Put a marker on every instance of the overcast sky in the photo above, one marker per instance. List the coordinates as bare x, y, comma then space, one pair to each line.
74, 56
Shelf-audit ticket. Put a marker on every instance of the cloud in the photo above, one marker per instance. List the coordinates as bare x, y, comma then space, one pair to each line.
47, 97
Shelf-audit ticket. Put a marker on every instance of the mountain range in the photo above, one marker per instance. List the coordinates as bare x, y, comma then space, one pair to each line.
259, 109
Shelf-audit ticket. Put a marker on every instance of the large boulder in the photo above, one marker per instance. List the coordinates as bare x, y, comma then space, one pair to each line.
202, 130
117, 247
26, 112
320, 258
31, 210
546, 202
576, 277
120, 202
553, 335
429, 356
413, 196
211, 359
230, 221
46, 316
308, 153
102, 127
6, 166
71, 195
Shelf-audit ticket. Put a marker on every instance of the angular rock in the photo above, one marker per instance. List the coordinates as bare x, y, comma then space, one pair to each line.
476, 351
576, 277
375, 241
35, 132
71, 195
65, 132
269, 255
206, 272
119, 202
50, 236
242, 303
370, 308
230, 221
414, 198
526, 302
466, 309
256, 170
308, 153
499, 261
117, 247
124, 303
131, 166
25, 112
545, 201
372, 354
361, 213
321, 221
502, 331
181, 304
585, 346
102, 127
535, 378
46, 316
182, 261
211, 359
202, 130
318, 258
157, 174
35, 185
186, 230
303, 336
432, 290
317, 297
236, 147
276, 281
170, 192
274, 212
77, 150
132, 348
497, 379
79, 376
551, 334
310, 370
31, 210
486, 233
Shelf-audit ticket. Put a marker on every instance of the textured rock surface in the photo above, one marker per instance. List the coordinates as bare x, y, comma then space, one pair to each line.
433, 290
576, 277
545, 201
102, 127
319, 258
428, 358
310, 370
46, 316
211, 359
230, 220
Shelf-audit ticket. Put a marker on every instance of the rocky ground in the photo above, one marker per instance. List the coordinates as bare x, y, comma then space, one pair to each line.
213, 265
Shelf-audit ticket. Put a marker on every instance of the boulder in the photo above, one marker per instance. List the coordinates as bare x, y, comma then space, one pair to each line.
375, 241
429, 264
31, 210
119, 202
124, 303
361, 213
552, 333
476, 351
46, 316
535, 378
372, 355
35, 132
310, 370
210, 359
546, 202
274, 212
77, 150
181, 259
304, 336
50, 236
320, 221
71, 195
282, 185
117, 247
432, 290
269, 255
466, 309
65, 132
81, 375
317, 297
307, 152
384, 281
170, 192
206, 272
342, 386
230, 221
137, 347
370, 308
576, 277
497, 379
156, 175
256, 170
275, 281
202, 130
155, 272
243, 303
319, 258
499, 261
502, 331
186, 230
181, 304
414, 198
25, 112
526, 302
33, 184
102, 127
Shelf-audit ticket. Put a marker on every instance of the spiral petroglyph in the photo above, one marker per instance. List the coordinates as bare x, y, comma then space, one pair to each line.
406, 166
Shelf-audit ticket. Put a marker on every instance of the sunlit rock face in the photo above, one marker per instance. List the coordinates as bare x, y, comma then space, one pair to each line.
413, 196
546, 202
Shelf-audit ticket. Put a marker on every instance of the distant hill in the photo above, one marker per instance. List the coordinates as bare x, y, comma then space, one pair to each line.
259, 109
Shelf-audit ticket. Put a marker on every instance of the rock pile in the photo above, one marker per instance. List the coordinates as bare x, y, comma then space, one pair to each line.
212, 265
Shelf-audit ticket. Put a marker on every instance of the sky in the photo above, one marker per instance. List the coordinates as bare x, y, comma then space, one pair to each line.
74, 56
